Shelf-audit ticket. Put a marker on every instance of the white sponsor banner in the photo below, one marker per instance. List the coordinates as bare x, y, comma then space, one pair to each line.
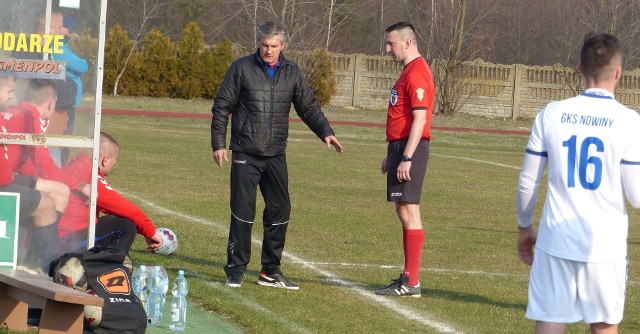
48, 140
70, 3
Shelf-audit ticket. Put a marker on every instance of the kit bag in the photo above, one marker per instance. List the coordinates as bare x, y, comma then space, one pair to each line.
105, 272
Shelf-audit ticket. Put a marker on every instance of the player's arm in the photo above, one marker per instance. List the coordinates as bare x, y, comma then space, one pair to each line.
631, 182
415, 134
532, 169
27, 168
74, 62
420, 92
47, 169
111, 202
528, 184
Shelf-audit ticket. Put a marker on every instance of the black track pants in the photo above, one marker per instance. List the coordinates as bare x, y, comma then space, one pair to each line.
270, 174
111, 231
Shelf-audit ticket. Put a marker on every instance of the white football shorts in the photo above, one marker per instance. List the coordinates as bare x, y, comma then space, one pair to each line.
565, 291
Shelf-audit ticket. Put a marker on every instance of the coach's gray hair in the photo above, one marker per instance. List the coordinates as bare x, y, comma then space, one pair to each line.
271, 29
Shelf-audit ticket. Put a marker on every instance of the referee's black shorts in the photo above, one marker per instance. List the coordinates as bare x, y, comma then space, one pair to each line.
411, 190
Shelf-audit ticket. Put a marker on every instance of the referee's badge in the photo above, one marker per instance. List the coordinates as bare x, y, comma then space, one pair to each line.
420, 93
394, 97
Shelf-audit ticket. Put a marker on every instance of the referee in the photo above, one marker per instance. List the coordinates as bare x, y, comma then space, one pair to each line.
408, 123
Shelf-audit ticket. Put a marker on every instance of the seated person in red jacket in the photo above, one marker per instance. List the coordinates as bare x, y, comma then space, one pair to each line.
121, 220
58, 191
32, 116
41, 201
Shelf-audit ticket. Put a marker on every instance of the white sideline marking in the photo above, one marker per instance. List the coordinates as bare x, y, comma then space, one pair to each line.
384, 301
435, 270
406, 312
431, 153
475, 160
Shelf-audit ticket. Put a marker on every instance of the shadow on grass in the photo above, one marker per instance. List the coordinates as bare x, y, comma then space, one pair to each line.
140, 256
426, 292
143, 253
217, 267
486, 229
470, 298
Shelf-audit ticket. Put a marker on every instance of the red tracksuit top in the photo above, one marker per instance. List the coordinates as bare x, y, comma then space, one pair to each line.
110, 202
32, 160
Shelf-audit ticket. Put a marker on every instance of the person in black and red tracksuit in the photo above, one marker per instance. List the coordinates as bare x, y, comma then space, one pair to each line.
121, 219
258, 91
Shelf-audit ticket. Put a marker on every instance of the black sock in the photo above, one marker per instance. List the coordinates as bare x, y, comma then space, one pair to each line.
46, 244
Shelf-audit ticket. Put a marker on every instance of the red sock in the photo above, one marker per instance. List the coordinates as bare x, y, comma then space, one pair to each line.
413, 241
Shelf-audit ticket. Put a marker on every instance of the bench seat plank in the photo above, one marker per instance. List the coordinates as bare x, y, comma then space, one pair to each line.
63, 307
46, 288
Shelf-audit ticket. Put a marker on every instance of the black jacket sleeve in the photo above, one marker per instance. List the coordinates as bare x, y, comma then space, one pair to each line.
308, 108
225, 102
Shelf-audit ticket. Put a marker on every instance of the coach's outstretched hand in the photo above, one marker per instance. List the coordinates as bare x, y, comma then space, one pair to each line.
526, 241
332, 140
218, 155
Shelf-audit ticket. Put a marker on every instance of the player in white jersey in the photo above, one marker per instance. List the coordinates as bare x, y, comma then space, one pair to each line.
592, 146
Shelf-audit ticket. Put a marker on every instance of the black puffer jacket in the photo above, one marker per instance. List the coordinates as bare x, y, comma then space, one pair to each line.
260, 107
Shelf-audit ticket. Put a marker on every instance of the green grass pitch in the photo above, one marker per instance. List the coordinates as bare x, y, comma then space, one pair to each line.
344, 239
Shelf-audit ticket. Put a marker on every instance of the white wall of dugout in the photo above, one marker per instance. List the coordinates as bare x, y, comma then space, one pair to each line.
32, 47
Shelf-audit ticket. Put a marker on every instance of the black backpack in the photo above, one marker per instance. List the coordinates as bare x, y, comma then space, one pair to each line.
105, 272
67, 90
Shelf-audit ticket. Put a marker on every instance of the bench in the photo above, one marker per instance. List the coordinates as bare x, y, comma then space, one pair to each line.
62, 307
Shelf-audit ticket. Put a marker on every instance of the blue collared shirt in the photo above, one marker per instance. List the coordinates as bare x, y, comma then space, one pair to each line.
271, 70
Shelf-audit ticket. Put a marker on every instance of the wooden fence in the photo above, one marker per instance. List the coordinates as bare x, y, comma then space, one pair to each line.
483, 89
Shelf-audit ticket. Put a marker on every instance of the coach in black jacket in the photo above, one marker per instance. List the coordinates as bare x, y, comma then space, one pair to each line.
259, 90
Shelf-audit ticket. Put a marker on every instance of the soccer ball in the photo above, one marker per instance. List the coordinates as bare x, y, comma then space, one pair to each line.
92, 314
169, 241
71, 273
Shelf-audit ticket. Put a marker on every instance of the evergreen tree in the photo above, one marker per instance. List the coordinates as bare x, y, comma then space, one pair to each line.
132, 82
217, 62
116, 51
191, 59
159, 65
319, 72
85, 46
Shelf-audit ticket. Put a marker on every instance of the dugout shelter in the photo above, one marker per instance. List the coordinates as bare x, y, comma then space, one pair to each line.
29, 50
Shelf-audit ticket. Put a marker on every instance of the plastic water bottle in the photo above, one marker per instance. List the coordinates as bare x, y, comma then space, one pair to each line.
154, 300
164, 283
179, 291
139, 282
